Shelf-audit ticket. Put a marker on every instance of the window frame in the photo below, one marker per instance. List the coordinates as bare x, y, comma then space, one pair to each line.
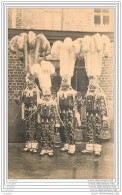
102, 14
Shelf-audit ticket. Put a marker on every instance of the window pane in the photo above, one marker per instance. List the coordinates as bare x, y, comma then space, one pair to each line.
97, 19
105, 10
97, 10
105, 19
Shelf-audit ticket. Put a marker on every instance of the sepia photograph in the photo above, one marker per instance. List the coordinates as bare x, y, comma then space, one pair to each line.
61, 93
60, 97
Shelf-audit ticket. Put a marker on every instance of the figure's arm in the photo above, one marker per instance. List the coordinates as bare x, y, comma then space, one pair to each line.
18, 97
77, 114
23, 111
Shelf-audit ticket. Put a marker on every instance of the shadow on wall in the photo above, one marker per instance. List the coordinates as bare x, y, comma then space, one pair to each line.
16, 128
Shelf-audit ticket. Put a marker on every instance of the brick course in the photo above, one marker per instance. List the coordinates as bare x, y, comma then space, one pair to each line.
16, 75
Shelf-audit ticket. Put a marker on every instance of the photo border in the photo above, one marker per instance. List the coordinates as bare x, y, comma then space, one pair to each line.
60, 185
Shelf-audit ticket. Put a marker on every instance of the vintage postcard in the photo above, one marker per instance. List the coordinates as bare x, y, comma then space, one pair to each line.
61, 97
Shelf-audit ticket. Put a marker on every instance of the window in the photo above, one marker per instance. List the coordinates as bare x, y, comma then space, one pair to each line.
97, 19
101, 16
105, 19
97, 10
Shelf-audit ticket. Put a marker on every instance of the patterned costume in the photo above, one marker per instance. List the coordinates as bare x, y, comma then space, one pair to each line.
68, 104
49, 124
96, 107
48, 118
29, 98
67, 52
33, 48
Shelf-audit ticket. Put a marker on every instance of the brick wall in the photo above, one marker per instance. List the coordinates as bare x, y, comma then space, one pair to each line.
18, 18
16, 75
107, 80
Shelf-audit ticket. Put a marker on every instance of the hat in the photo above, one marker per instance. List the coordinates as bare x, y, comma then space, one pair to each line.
43, 72
47, 69
64, 51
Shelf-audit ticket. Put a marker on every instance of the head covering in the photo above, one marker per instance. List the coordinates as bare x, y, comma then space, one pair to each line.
17, 42
31, 39
93, 48
65, 53
45, 81
43, 72
40, 47
56, 48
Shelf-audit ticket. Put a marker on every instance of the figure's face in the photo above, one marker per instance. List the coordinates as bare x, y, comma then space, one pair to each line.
79, 95
94, 81
30, 86
53, 96
18, 97
64, 84
47, 97
64, 87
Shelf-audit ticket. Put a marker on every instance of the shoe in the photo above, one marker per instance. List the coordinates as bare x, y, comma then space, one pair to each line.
35, 145
71, 149
97, 153
50, 152
43, 152
97, 149
34, 148
34, 151
65, 148
27, 147
89, 149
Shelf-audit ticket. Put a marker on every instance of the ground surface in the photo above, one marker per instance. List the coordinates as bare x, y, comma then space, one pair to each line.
61, 165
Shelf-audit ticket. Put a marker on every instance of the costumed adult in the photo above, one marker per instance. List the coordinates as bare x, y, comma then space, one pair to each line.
67, 52
32, 47
30, 97
48, 117
93, 48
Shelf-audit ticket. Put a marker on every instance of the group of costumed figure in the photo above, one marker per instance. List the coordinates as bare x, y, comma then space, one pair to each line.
55, 121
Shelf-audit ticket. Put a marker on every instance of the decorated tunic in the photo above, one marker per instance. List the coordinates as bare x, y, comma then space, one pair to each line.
67, 52
29, 106
69, 104
96, 107
48, 123
96, 113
